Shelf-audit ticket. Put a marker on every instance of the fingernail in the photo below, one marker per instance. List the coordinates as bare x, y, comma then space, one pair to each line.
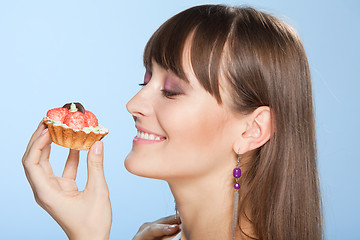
44, 131
171, 227
98, 148
40, 123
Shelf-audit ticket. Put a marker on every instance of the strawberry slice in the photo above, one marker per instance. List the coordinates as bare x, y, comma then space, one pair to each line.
91, 118
76, 120
57, 114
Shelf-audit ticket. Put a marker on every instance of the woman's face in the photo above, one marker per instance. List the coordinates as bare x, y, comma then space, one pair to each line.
182, 131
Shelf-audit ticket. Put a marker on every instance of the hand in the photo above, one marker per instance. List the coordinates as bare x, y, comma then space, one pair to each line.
81, 214
157, 230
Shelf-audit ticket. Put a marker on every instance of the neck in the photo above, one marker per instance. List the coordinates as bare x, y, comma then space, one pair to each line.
205, 206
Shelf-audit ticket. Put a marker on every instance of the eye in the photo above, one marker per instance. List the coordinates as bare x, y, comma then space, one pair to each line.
169, 94
147, 78
172, 87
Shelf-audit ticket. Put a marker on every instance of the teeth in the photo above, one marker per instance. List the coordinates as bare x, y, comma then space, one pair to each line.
147, 136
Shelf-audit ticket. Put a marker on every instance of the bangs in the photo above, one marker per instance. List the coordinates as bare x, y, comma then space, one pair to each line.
206, 28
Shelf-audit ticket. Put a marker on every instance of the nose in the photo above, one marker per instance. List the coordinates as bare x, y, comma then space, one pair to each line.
140, 104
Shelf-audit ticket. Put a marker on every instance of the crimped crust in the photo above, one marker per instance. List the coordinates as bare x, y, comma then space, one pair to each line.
69, 138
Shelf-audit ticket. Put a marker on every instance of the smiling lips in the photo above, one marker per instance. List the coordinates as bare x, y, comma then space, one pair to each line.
146, 137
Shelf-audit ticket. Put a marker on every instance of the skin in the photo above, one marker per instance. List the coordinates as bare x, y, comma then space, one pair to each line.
197, 149
71, 208
81, 214
163, 228
191, 122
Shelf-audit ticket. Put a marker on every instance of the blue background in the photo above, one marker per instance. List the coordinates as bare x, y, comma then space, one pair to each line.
53, 52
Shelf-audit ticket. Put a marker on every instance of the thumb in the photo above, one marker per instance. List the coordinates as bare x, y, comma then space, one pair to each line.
96, 179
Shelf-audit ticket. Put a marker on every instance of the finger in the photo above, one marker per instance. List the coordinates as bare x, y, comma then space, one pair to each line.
35, 135
96, 179
71, 165
173, 219
36, 149
165, 220
34, 171
156, 230
44, 160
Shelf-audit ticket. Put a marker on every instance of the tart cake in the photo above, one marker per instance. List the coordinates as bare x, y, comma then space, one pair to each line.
74, 127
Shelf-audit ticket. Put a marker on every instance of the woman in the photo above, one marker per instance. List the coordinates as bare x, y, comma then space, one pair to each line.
225, 116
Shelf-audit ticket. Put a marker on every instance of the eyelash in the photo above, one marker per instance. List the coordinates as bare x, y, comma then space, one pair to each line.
169, 94
165, 93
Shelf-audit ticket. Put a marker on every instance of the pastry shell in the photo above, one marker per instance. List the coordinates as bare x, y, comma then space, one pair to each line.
74, 139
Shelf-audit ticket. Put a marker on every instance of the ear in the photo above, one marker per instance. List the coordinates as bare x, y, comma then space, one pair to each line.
257, 132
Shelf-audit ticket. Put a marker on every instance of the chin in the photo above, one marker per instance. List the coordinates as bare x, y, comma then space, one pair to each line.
156, 167
136, 166
131, 165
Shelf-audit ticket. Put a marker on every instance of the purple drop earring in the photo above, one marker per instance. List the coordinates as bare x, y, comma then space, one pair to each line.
236, 174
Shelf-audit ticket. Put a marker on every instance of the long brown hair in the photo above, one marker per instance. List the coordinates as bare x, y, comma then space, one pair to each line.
264, 63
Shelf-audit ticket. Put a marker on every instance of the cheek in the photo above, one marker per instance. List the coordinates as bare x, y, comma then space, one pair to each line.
196, 134
194, 119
